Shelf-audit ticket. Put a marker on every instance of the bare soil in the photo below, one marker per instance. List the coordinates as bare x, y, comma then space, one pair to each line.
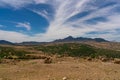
71, 68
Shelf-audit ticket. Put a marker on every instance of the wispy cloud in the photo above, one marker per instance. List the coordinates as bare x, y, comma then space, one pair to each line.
13, 36
61, 26
15, 3
43, 13
24, 25
66, 9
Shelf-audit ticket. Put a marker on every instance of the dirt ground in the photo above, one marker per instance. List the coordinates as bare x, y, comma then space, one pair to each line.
72, 69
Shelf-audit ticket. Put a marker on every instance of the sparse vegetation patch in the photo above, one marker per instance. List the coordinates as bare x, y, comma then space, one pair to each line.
78, 50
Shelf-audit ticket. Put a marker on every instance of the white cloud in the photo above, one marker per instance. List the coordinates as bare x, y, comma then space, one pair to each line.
15, 3
43, 13
64, 10
59, 29
110, 27
20, 3
40, 1
24, 25
12, 36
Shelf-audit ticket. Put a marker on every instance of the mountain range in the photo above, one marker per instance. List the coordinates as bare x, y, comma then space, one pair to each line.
67, 39
72, 39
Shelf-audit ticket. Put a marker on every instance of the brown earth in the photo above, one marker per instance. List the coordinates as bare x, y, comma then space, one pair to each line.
71, 68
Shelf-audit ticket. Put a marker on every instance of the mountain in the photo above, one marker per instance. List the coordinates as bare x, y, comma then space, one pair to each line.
71, 39
100, 40
67, 39
31, 43
6, 42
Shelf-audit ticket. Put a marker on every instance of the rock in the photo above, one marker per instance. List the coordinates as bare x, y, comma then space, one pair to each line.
65, 78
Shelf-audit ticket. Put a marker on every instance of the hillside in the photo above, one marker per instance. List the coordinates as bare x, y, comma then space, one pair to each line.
93, 50
56, 61
78, 50
73, 61
4, 42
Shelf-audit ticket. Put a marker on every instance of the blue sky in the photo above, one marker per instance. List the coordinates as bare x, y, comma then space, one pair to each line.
47, 20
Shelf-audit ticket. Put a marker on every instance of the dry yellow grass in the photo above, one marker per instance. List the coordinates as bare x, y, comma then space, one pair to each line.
73, 69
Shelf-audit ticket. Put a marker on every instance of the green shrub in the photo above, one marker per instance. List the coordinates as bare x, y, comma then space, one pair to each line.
78, 50
8, 52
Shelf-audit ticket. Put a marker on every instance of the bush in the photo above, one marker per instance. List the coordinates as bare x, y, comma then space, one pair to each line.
75, 50
8, 53
78, 50
48, 60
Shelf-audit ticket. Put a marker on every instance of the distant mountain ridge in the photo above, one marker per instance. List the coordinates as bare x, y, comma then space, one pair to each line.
71, 39
31, 43
67, 39
4, 42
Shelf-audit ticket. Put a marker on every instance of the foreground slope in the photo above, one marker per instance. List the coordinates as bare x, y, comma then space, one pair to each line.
73, 69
